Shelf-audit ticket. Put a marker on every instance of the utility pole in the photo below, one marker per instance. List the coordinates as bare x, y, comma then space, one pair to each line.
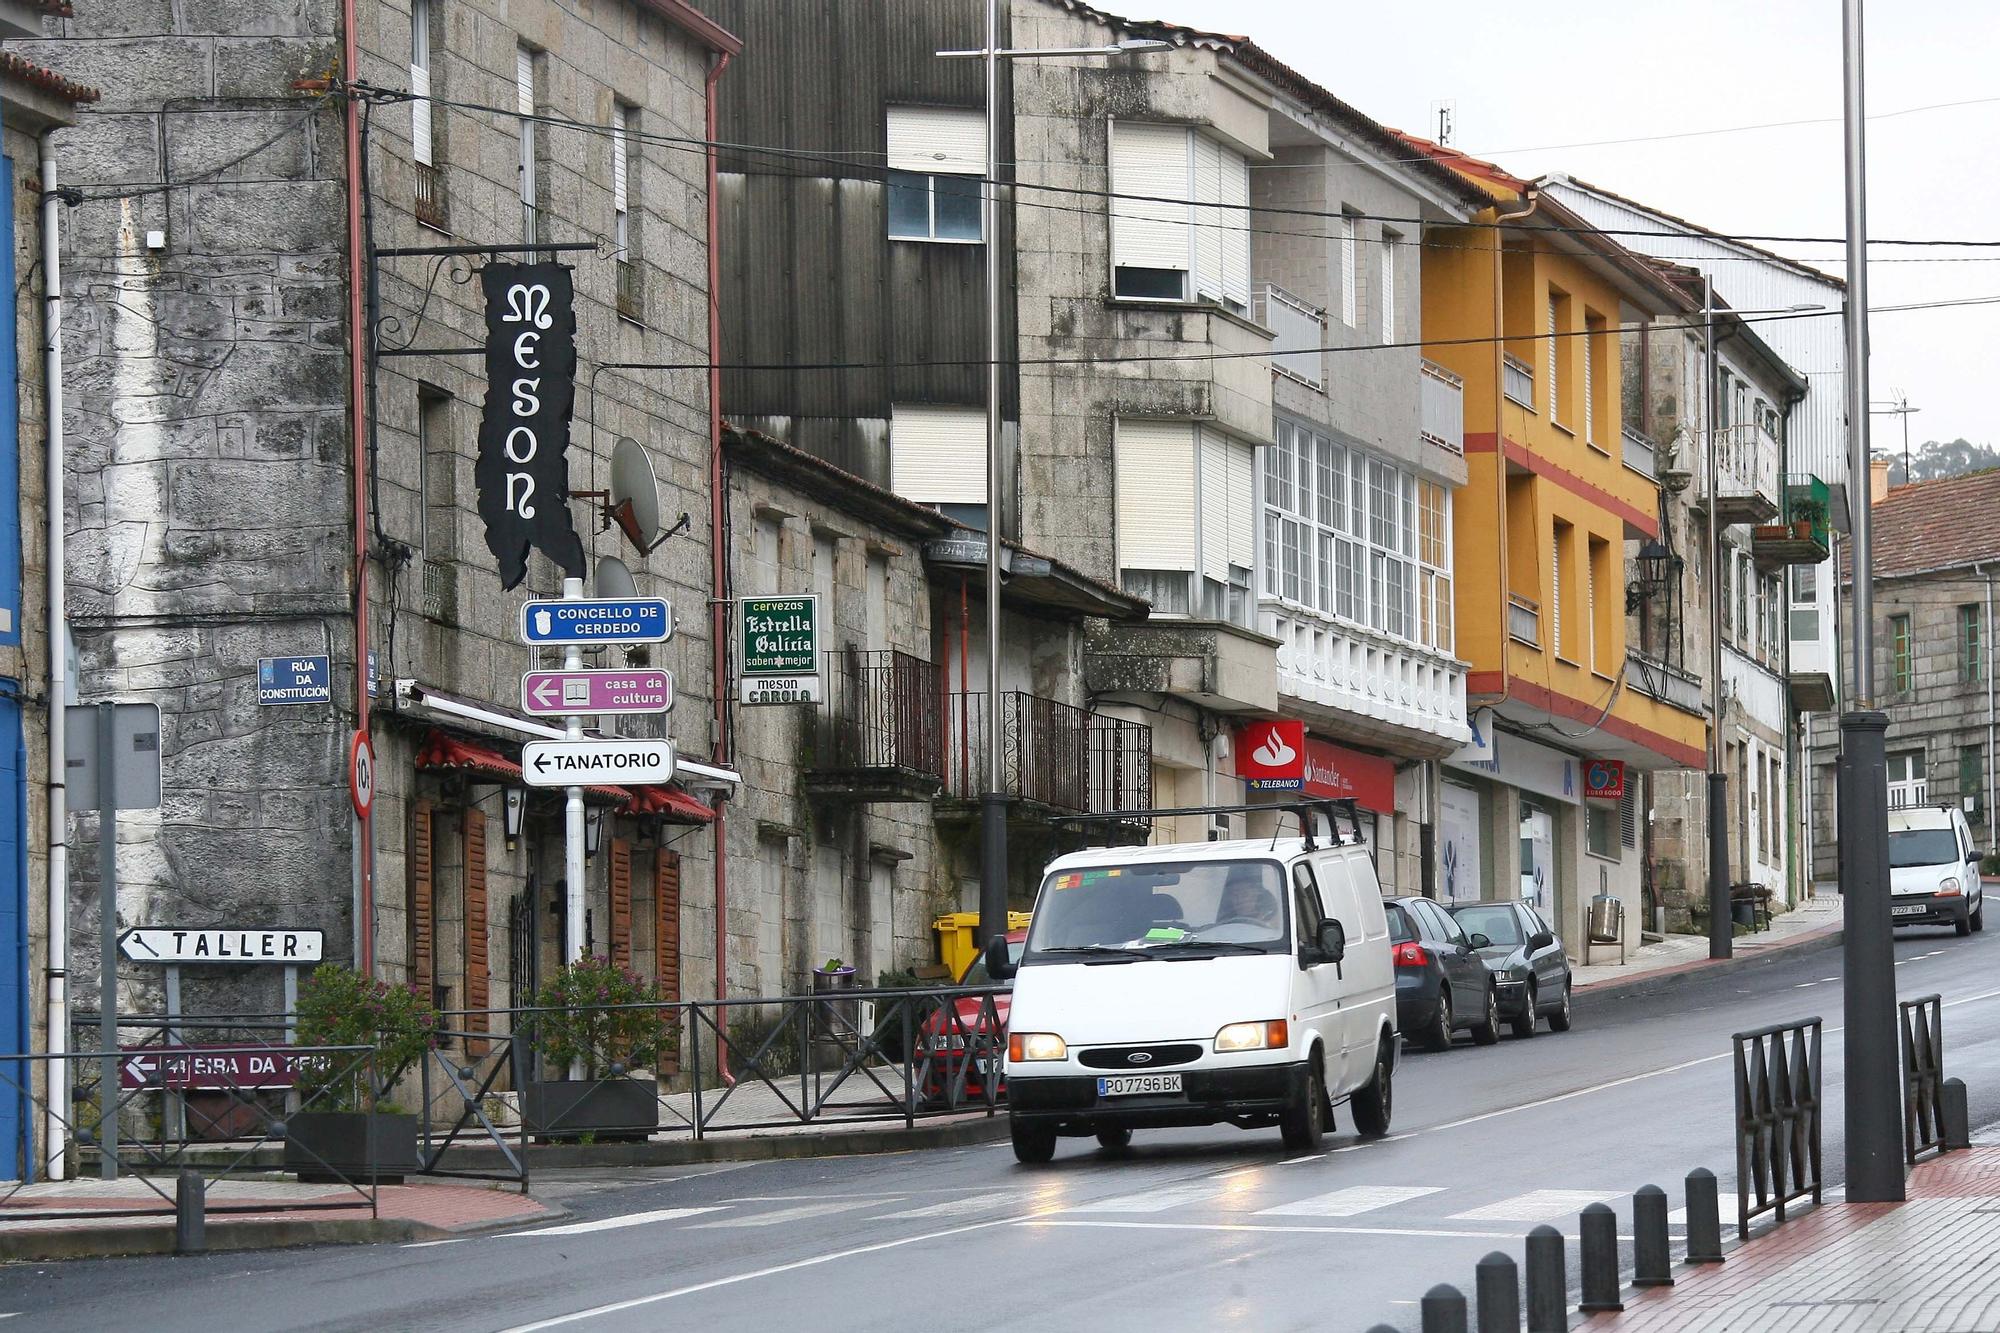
1721, 925
1873, 1084
993, 802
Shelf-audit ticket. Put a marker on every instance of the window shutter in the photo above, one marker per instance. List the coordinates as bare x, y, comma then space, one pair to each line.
1149, 160
1214, 503
423, 973
1555, 398
477, 966
1590, 609
1208, 221
1156, 480
1388, 290
620, 148
524, 81
621, 903
1242, 505
1589, 384
667, 923
1350, 272
945, 141
1235, 229
1556, 591
937, 455
420, 115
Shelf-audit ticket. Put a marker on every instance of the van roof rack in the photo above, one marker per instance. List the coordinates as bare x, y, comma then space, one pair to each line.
1332, 807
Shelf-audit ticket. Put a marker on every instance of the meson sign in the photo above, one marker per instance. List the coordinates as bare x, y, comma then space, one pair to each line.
522, 471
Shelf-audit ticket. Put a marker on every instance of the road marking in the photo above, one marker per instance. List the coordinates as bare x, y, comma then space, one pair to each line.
971, 1203
1533, 1206
612, 1223
1153, 1200
782, 1215
427, 1244
1352, 1201
1352, 1147
1278, 1227
637, 1302
1801, 985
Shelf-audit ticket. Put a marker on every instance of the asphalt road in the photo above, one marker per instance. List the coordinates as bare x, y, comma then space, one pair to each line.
1186, 1229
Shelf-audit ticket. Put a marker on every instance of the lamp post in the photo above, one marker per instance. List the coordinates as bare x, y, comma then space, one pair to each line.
993, 801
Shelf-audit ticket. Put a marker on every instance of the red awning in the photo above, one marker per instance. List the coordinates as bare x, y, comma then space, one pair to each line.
449, 754
673, 803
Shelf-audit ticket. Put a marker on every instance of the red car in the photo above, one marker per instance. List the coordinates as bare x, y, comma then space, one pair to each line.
942, 1039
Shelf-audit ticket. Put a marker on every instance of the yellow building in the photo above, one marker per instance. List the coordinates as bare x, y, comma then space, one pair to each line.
1527, 306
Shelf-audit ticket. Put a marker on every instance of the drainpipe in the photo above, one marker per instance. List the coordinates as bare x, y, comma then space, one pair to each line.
1534, 201
719, 569
357, 388
54, 1134
1992, 810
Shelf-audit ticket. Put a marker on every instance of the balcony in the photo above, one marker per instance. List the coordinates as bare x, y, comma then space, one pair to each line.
1746, 460
1443, 407
433, 204
1300, 330
1216, 665
1656, 680
1054, 755
440, 592
1394, 691
1642, 455
1802, 533
631, 292
880, 735
1517, 381
1524, 620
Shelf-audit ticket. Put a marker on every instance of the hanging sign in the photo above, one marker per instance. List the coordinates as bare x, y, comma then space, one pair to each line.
780, 650
1271, 756
1604, 778
523, 470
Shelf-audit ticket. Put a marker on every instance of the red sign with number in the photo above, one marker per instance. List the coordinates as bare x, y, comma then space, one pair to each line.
1604, 779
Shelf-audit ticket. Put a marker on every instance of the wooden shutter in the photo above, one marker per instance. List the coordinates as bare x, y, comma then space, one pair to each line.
937, 455
667, 923
621, 903
937, 140
478, 967
1150, 161
1155, 462
423, 969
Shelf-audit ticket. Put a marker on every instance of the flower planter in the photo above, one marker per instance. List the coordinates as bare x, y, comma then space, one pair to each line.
620, 1110
351, 1147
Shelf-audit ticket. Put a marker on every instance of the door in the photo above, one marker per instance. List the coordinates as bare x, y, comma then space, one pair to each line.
1348, 888
1551, 971
1538, 858
1462, 967
1316, 990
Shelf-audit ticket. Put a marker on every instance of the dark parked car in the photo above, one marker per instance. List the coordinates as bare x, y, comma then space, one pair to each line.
1441, 983
1529, 969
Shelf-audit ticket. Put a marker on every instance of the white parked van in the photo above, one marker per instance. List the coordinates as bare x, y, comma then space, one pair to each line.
1201, 983
1934, 870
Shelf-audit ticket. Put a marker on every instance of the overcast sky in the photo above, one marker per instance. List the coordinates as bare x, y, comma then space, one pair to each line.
1528, 79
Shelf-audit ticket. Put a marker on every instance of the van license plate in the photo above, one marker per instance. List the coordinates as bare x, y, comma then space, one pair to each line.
1136, 1085
1900, 909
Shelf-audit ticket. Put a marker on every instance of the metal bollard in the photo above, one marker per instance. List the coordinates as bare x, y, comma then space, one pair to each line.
1957, 1127
1444, 1309
1704, 1224
190, 1214
1496, 1285
1652, 1260
1597, 1253
1548, 1282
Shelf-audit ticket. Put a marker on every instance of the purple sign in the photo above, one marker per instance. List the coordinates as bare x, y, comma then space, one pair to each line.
553, 693
209, 1068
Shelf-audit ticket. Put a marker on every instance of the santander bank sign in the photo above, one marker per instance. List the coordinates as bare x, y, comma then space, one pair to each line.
1271, 756
1279, 756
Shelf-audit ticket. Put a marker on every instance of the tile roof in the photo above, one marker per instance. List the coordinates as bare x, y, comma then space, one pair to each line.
20, 70
1935, 525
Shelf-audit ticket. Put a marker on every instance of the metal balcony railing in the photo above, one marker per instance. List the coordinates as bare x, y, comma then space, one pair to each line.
1517, 381
440, 591
1300, 330
1641, 454
433, 204
882, 712
1524, 619
1656, 680
1051, 753
1442, 416
631, 291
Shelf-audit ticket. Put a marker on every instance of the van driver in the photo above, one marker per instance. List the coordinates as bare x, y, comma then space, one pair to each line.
1247, 901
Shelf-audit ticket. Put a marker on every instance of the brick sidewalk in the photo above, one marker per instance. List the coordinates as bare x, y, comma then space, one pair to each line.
1932, 1263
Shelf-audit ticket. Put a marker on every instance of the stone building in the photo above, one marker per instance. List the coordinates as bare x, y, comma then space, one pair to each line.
1936, 551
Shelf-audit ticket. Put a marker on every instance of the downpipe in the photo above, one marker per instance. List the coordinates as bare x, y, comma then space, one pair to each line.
54, 1139
718, 605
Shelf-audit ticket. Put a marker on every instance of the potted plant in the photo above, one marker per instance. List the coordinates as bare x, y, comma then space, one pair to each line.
345, 1130
605, 1022
1808, 516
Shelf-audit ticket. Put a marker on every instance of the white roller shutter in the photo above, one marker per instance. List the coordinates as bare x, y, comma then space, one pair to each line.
620, 153
1228, 505
524, 81
1235, 217
1208, 221
1155, 509
937, 455
420, 81
1242, 549
1350, 272
1555, 393
942, 140
1152, 161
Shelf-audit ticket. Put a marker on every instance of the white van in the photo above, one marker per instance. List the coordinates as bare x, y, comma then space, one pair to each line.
1934, 870
1198, 983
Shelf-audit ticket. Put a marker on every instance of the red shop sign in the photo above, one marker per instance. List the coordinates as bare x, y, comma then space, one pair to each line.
1336, 771
1270, 755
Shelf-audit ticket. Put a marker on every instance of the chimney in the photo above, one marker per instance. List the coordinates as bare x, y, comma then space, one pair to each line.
1878, 480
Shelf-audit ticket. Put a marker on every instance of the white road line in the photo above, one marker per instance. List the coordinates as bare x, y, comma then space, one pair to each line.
782, 1215
431, 1244
613, 1223
1153, 1200
959, 1207
1270, 1227
1351, 1202
1534, 1206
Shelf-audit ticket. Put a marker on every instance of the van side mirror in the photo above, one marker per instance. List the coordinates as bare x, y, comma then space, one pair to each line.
1332, 940
999, 966
1540, 940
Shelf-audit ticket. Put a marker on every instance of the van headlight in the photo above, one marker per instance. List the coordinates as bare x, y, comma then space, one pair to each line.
1271, 1034
1023, 1046
1948, 887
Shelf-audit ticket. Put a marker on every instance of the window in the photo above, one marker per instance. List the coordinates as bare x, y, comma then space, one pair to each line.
1600, 829
1434, 559
1350, 269
937, 456
1774, 806
1388, 298
1560, 578
623, 186
1971, 645
1179, 251
1902, 667
1593, 337
932, 207
524, 102
937, 157
1167, 473
1774, 618
435, 501
1805, 603
1741, 578
1724, 568
1558, 353
1972, 779
1602, 612
1907, 785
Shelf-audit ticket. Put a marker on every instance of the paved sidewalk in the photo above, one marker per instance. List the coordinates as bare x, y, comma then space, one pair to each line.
1932, 1263
1815, 922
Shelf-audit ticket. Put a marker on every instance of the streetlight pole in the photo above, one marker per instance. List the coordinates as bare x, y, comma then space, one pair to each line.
1721, 924
1874, 1148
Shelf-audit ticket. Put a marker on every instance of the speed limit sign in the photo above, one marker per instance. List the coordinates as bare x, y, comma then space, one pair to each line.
361, 773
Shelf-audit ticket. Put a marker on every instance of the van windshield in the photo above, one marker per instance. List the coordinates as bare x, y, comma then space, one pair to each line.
1923, 847
1174, 908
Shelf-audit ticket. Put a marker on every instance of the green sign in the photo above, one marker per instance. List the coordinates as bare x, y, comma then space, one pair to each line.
780, 636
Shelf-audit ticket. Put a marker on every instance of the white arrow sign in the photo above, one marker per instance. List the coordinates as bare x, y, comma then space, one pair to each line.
592, 763
163, 944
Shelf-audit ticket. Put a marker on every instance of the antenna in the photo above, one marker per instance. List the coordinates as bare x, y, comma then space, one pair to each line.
1444, 120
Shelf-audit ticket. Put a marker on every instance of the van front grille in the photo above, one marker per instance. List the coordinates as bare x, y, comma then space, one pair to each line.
1150, 1057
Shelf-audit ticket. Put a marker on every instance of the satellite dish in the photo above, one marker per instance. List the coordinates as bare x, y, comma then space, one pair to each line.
635, 495
614, 579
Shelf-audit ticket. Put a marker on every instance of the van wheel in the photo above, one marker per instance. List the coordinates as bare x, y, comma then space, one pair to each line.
1488, 1032
1979, 914
1559, 1021
1305, 1124
1437, 1037
1963, 925
1372, 1105
1033, 1144
1524, 1026
1114, 1138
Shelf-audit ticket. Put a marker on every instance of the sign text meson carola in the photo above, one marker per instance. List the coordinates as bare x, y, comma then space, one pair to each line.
522, 471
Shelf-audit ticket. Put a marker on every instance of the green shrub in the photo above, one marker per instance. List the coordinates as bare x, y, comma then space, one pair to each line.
340, 1007
597, 1015
746, 1037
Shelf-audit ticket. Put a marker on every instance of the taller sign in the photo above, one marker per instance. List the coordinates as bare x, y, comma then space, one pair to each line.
523, 472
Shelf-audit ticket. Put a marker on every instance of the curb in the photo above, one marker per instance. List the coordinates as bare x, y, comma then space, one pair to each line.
110, 1242
1673, 978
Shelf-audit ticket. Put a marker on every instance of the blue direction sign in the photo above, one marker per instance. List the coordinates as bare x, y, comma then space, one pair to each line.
295, 680
597, 620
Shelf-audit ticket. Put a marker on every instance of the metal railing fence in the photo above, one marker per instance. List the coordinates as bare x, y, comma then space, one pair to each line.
1777, 1119
1922, 1026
